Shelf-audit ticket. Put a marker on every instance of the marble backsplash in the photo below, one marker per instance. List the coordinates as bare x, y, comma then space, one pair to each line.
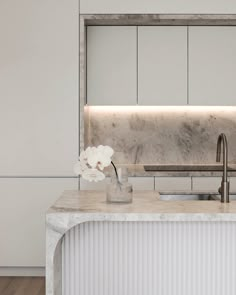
161, 135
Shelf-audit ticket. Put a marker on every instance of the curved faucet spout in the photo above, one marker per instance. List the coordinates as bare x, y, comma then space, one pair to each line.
224, 190
222, 139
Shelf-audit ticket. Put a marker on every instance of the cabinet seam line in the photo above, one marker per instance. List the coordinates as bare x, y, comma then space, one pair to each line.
137, 68
187, 65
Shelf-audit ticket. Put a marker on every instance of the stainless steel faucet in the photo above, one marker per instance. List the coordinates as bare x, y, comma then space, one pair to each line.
224, 189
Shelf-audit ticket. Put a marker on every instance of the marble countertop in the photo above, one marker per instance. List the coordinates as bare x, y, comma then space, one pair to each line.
91, 206
76, 207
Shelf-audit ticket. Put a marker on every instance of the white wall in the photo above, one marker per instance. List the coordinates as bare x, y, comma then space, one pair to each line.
158, 6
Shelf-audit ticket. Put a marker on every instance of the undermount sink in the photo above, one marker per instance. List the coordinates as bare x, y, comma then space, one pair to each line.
193, 197
190, 197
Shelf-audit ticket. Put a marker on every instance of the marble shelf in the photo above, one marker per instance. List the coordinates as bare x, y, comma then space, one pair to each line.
186, 170
189, 167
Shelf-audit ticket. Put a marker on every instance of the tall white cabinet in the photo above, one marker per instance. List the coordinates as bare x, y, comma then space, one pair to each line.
24, 202
38, 88
212, 65
38, 121
162, 65
111, 65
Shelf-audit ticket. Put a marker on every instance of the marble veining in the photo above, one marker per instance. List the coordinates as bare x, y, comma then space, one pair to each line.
153, 136
85, 203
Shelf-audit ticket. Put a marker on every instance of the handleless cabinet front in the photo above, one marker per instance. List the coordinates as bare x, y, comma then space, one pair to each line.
38, 88
24, 202
111, 65
212, 65
162, 65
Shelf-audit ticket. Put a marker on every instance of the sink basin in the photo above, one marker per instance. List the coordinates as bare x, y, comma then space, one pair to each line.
190, 197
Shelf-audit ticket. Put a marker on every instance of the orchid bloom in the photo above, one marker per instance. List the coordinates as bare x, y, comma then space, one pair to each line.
93, 174
92, 161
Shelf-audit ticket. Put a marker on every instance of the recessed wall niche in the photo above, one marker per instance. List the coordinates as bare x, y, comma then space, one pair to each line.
147, 135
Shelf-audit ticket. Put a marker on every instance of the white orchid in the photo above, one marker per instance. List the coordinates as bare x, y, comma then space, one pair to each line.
93, 174
100, 156
92, 161
80, 167
83, 157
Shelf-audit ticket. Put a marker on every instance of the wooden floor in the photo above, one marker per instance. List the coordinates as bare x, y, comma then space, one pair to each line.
22, 286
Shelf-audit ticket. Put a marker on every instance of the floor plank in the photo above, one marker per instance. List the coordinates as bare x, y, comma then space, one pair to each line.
4, 282
22, 286
37, 286
42, 290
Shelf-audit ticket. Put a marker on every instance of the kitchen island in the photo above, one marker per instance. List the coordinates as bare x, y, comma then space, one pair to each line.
146, 247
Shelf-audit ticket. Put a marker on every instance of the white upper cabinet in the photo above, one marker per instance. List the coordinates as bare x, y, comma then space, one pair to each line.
162, 65
111, 65
212, 65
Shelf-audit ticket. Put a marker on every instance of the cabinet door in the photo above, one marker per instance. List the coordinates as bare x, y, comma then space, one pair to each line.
93, 186
173, 183
232, 186
162, 65
24, 202
38, 88
138, 183
206, 184
111, 65
212, 65
142, 183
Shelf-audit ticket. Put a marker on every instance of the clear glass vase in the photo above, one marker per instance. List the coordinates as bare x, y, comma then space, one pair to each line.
119, 190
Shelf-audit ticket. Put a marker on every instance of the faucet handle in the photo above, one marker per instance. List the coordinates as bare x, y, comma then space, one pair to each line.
224, 191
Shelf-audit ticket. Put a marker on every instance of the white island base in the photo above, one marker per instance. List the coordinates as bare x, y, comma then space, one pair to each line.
144, 248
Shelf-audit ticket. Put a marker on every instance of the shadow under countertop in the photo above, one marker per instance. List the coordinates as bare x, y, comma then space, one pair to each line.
185, 170
189, 167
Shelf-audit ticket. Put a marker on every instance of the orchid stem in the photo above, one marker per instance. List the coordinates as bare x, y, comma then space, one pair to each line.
118, 181
115, 170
